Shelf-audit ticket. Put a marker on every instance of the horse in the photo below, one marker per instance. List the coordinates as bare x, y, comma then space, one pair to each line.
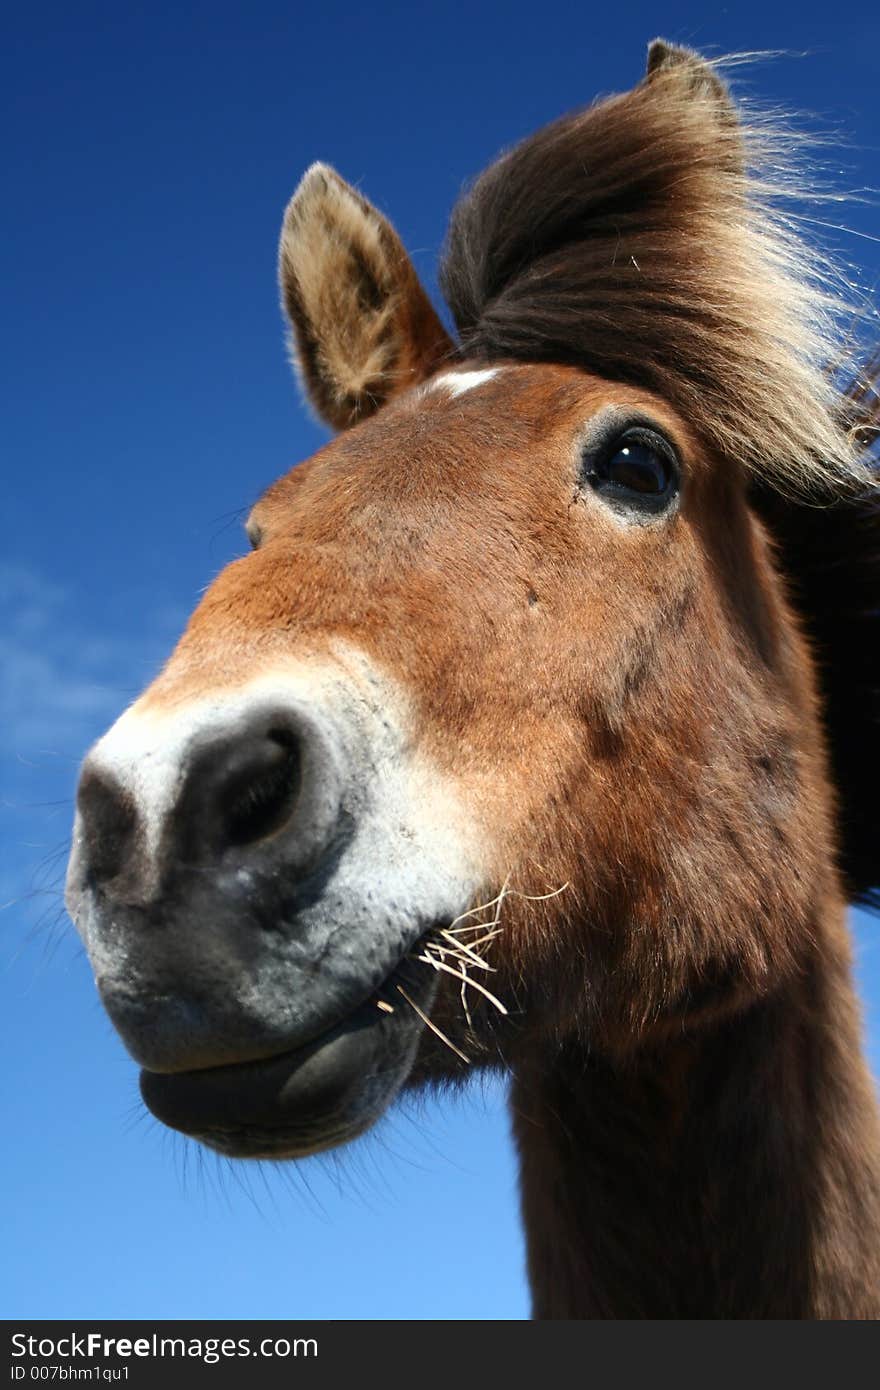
537, 730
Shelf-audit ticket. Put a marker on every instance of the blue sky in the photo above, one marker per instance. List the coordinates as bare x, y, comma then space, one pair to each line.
147, 403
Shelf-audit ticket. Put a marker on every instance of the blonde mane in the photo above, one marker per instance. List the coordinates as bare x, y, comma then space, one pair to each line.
660, 252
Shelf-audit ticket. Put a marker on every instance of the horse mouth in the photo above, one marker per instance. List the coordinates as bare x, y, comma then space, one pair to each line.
308, 1098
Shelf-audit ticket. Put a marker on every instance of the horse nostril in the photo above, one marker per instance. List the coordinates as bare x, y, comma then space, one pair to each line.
259, 789
109, 822
218, 798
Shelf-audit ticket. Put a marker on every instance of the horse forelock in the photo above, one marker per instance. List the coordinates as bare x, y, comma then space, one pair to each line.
644, 238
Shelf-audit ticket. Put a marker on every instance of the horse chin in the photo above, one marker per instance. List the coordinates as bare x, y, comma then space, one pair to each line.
302, 1101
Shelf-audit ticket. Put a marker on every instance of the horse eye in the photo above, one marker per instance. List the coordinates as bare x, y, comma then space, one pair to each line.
636, 470
639, 468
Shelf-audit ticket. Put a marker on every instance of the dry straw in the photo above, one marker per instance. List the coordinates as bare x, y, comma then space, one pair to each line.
461, 948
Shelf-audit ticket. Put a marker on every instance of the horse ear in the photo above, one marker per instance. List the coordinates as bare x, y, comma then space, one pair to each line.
363, 327
690, 72
686, 74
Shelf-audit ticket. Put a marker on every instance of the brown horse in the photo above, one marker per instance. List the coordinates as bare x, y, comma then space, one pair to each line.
538, 731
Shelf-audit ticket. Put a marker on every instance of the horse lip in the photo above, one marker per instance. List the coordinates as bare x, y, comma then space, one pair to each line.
267, 1058
294, 1102
248, 1090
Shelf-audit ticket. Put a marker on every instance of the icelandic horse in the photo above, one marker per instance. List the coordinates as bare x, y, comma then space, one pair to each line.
538, 731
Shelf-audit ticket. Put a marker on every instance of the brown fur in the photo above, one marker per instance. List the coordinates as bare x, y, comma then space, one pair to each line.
633, 712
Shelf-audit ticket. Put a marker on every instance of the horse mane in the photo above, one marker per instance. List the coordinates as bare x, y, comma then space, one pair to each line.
830, 557
643, 239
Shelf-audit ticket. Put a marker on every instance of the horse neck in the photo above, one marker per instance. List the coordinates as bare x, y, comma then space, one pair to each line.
733, 1172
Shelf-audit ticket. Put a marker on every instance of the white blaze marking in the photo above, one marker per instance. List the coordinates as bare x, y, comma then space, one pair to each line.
456, 383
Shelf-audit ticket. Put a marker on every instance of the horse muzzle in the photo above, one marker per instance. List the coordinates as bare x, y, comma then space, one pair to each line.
251, 876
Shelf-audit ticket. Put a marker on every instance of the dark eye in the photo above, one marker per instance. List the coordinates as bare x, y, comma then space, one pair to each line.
636, 470
254, 533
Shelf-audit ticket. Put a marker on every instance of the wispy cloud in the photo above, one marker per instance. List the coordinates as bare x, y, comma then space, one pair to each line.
61, 683
60, 680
